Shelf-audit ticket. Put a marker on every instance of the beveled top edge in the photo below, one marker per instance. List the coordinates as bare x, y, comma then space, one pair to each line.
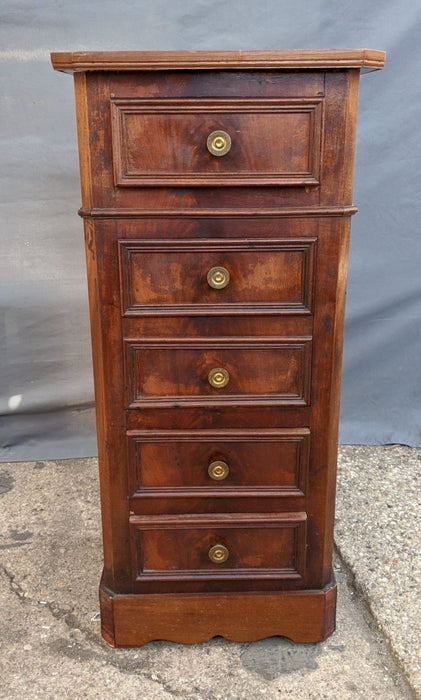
364, 59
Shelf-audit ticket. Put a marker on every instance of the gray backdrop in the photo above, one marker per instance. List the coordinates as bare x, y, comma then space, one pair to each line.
46, 394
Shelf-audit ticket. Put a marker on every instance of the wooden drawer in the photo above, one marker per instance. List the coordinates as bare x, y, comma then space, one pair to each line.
215, 277
176, 372
209, 463
219, 546
166, 141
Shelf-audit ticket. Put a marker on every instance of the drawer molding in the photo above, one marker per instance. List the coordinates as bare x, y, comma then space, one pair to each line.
143, 156
290, 473
164, 546
295, 266
150, 382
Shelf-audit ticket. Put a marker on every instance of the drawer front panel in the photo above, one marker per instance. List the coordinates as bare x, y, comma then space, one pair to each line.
271, 546
180, 277
176, 372
164, 142
192, 463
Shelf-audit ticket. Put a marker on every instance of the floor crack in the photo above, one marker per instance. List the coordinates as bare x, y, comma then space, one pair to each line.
57, 612
14, 585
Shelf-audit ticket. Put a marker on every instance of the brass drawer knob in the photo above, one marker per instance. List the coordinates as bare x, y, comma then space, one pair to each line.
218, 554
218, 377
218, 143
218, 470
218, 277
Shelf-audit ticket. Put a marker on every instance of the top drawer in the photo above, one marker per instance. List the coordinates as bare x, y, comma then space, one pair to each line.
208, 142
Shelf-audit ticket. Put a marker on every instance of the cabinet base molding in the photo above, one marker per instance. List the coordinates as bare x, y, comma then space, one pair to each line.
190, 618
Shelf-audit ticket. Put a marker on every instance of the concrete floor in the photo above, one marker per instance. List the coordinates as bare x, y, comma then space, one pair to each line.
50, 563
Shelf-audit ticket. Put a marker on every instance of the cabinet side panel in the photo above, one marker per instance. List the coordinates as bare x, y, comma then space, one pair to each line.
328, 342
104, 308
339, 137
108, 375
335, 393
82, 118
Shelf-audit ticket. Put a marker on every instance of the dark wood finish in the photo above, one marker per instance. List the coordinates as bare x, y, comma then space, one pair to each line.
170, 277
168, 372
163, 142
267, 460
160, 211
259, 546
303, 616
239, 60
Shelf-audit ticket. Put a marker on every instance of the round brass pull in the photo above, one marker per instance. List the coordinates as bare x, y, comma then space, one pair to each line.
218, 277
218, 553
218, 470
218, 377
218, 143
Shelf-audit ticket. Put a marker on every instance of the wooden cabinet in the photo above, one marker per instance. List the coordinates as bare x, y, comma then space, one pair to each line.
216, 197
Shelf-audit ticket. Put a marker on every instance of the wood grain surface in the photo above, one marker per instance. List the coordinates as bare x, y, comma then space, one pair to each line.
160, 211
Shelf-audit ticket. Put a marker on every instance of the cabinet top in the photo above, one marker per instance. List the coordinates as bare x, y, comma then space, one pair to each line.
363, 59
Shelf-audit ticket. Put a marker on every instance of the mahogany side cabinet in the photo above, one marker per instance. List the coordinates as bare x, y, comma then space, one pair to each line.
217, 199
